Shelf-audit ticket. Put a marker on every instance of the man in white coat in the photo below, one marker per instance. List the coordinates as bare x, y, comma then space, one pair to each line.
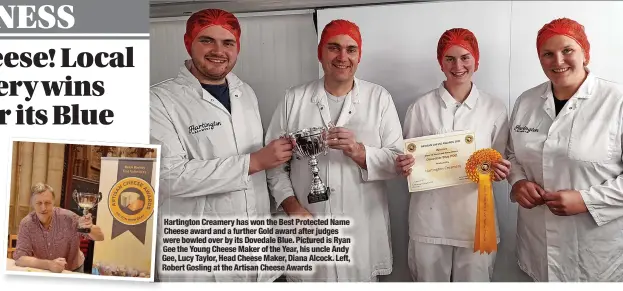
363, 145
565, 147
208, 123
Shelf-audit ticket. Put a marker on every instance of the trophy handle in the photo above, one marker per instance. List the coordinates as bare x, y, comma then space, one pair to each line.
295, 152
99, 198
325, 139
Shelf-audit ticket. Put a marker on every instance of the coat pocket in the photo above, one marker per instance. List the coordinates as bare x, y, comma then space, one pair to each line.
591, 140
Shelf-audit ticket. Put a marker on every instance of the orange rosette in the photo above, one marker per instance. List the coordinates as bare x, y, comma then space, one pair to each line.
479, 169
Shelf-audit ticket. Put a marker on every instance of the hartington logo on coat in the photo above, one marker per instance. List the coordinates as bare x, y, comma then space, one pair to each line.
523, 128
203, 127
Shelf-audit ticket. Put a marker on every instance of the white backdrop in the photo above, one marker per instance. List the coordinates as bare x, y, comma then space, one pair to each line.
399, 53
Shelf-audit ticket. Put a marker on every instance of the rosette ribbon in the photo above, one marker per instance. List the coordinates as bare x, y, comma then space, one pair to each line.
479, 169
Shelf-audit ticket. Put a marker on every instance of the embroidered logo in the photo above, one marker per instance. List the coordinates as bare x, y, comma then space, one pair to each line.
523, 128
193, 129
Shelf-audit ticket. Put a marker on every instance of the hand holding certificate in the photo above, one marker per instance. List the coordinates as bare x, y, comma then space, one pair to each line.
439, 160
451, 159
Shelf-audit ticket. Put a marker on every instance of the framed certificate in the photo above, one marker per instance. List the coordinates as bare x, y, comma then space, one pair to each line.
439, 160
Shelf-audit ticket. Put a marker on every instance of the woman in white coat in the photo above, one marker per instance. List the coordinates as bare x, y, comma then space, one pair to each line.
565, 148
442, 222
363, 145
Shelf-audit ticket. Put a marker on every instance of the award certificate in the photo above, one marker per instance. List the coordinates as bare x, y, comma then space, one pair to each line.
439, 160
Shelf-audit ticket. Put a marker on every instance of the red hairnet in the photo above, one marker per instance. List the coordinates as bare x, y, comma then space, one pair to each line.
209, 17
461, 37
566, 27
338, 27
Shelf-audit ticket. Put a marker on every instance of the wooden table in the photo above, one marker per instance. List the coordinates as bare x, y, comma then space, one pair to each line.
10, 266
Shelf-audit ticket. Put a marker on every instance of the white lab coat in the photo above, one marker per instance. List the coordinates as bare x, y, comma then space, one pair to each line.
205, 155
580, 149
357, 194
447, 216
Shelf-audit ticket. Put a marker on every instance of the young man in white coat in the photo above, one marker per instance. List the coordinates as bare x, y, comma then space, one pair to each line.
208, 123
442, 221
363, 145
565, 147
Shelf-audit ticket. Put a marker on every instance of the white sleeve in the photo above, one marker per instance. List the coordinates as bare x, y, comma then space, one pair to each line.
499, 136
412, 126
517, 172
184, 177
380, 161
278, 178
605, 201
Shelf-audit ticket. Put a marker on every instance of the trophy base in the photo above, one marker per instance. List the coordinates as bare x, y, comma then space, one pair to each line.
318, 197
84, 230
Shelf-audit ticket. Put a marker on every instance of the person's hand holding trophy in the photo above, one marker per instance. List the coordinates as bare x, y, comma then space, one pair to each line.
86, 201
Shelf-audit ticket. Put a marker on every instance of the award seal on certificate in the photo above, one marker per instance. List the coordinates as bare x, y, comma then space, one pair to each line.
439, 160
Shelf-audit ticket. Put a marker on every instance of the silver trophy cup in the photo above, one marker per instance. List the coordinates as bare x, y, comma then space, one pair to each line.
309, 143
86, 201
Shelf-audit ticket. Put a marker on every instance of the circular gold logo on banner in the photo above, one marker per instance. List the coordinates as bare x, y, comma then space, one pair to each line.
131, 201
411, 147
469, 139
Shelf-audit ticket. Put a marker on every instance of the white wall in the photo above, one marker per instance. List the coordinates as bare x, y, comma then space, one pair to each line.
277, 51
399, 52
171, 8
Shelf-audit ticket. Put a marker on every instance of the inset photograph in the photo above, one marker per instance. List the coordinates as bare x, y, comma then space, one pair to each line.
81, 210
